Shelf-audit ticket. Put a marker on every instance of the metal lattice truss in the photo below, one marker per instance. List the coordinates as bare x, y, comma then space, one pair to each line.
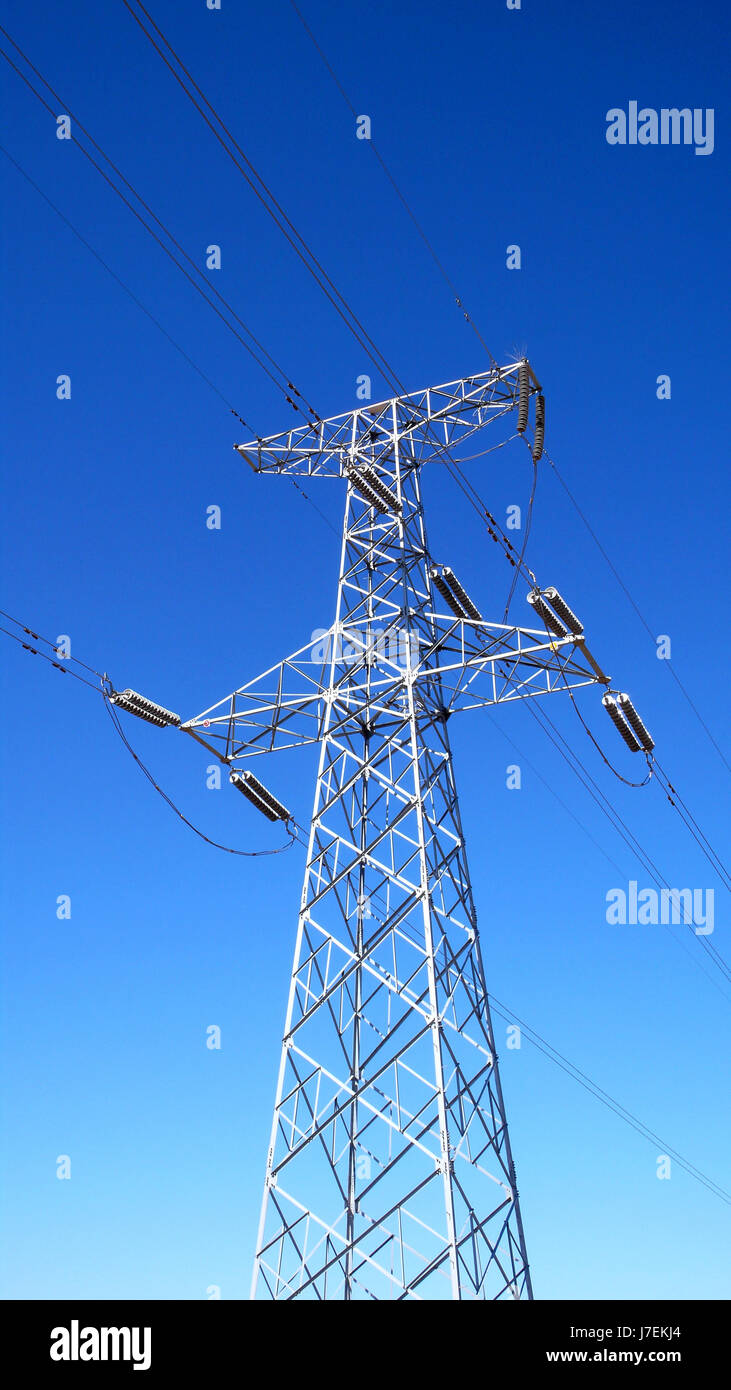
477, 664
414, 427
389, 1173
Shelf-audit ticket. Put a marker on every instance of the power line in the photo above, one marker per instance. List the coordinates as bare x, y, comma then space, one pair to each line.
35, 651
289, 384
607, 808
439, 264
242, 853
616, 820
294, 831
147, 312
480, 503
313, 265
599, 796
610, 810
712, 856
104, 688
524, 547
704, 844
205, 290
607, 761
47, 642
714, 860
634, 605
601, 1095
493, 527
674, 799
671, 792
130, 293
577, 1074
257, 183
549, 787
66, 670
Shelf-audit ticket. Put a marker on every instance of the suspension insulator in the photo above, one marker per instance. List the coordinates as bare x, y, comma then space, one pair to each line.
540, 428
461, 595
371, 486
551, 621
566, 614
523, 396
633, 718
133, 703
610, 705
374, 481
259, 796
443, 588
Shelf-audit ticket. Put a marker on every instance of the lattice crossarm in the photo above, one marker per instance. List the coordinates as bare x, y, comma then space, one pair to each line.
422, 423
281, 708
480, 664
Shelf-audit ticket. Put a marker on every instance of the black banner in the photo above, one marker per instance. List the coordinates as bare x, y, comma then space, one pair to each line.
160, 1339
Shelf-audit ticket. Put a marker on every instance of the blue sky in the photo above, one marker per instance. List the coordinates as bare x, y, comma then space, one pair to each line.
493, 123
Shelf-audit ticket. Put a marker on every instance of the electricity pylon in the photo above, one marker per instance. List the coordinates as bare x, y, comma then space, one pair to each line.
389, 1173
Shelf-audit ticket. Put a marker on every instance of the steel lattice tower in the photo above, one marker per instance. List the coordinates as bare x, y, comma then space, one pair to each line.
390, 1173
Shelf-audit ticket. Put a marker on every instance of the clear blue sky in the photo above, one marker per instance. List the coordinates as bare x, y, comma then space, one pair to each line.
493, 122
